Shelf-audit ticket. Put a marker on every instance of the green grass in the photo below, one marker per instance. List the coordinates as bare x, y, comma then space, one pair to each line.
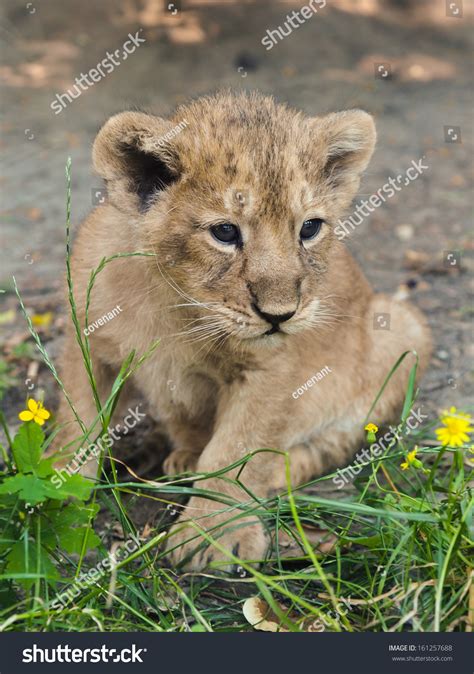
402, 560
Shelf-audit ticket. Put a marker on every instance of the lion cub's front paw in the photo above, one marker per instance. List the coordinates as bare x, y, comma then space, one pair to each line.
244, 538
180, 461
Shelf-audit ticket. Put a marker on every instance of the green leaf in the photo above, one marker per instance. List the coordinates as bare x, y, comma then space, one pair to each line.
45, 467
8, 537
368, 510
27, 445
29, 488
67, 525
72, 514
75, 486
367, 541
26, 559
411, 504
72, 540
410, 394
7, 595
33, 489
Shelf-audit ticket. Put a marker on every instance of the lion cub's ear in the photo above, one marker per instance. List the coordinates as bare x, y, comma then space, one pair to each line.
133, 156
346, 140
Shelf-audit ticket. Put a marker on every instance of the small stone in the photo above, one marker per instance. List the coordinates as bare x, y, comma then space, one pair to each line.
404, 232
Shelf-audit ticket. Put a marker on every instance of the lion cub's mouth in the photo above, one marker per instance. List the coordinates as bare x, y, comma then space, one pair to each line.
273, 330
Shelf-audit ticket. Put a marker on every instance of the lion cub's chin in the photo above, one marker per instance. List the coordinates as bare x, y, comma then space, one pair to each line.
266, 341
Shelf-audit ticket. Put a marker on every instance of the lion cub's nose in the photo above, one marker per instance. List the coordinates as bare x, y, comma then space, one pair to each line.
273, 319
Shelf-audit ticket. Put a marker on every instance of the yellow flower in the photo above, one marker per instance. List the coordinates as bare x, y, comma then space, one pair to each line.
372, 428
410, 459
455, 429
42, 320
371, 431
35, 412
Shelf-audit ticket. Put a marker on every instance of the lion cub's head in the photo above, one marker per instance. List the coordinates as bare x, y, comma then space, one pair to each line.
238, 197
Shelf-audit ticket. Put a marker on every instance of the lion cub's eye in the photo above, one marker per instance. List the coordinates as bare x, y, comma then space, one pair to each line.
226, 233
310, 228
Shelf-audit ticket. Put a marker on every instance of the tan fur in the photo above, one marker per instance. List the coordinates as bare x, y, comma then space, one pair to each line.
219, 383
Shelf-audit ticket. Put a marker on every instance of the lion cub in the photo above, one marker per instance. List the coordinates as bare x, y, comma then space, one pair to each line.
235, 201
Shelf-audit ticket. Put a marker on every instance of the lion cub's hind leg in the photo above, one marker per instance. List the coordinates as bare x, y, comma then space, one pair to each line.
394, 327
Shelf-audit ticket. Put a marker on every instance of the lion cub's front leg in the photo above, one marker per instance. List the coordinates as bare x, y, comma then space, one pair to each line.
189, 438
238, 431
